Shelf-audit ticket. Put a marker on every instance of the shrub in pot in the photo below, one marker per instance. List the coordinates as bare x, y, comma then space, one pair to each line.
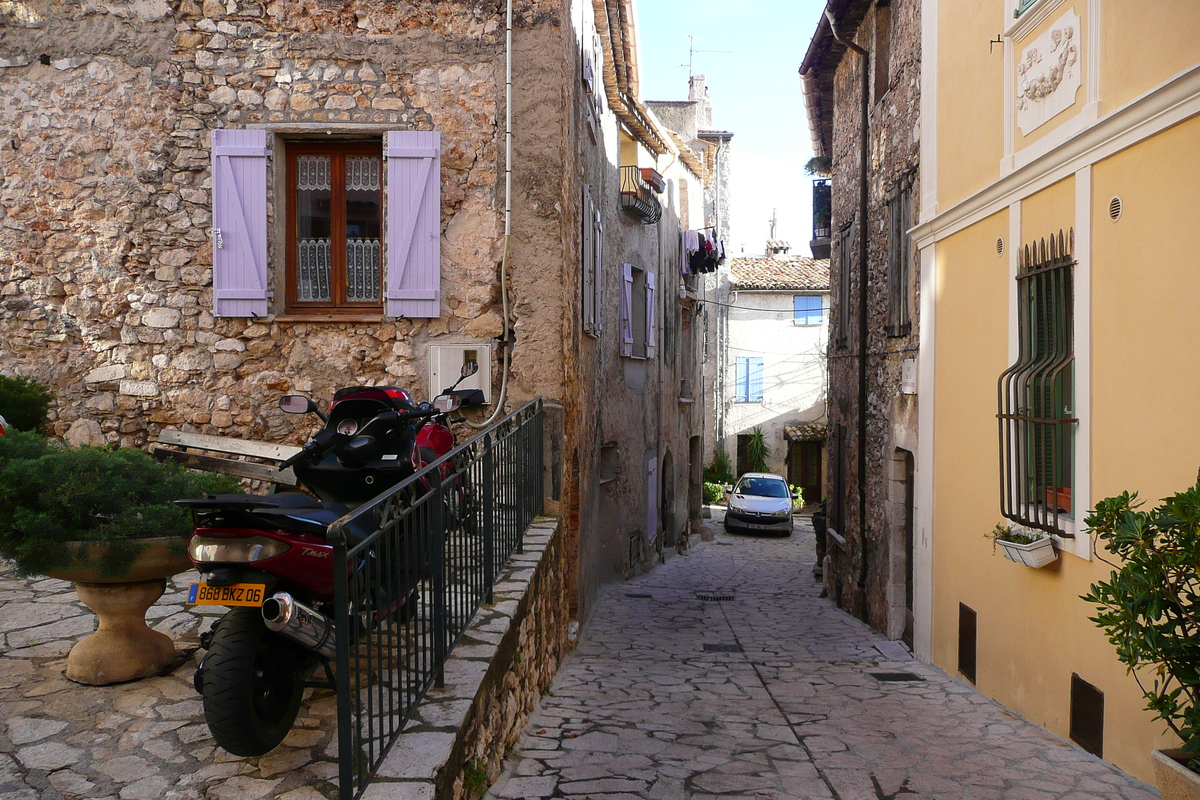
107, 520
1148, 607
53, 494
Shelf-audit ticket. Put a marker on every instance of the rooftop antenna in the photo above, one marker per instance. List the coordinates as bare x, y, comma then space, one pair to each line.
692, 55
772, 236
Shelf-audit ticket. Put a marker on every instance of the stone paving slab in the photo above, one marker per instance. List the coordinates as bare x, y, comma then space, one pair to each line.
144, 740
781, 704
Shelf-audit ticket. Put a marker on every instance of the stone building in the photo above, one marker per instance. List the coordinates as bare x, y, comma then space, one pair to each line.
208, 204
874, 323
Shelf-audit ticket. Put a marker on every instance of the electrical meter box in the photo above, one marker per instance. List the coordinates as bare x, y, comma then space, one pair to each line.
446, 363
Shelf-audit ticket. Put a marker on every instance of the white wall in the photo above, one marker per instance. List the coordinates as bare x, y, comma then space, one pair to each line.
794, 368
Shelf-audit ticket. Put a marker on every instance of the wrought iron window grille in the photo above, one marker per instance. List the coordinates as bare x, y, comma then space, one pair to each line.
1036, 394
637, 196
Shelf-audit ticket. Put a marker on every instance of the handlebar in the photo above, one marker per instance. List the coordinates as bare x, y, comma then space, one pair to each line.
317, 448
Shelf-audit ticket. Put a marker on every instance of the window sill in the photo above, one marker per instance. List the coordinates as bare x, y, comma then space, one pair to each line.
686, 401
806, 324
308, 318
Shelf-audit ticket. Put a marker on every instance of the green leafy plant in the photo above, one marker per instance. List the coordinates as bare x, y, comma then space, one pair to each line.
1147, 607
24, 402
53, 494
1007, 533
721, 469
475, 777
819, 165
757, 451
797, 497
713, 492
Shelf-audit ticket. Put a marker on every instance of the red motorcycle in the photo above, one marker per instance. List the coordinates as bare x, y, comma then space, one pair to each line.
267, 559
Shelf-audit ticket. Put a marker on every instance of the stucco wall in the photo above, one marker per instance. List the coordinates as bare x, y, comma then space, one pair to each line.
794, 369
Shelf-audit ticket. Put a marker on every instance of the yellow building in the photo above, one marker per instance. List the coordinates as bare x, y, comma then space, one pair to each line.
1059, 261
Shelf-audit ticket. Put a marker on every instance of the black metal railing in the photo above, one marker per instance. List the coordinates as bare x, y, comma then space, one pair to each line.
1037, 393
637, 196
822, 208
411, 569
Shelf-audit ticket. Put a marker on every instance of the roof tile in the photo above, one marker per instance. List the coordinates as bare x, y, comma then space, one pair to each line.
780, 272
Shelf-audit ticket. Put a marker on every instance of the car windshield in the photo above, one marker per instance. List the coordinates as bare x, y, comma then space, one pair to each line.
762, 487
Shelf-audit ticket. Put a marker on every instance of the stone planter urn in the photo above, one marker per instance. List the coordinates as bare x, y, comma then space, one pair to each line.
123, 648
1175, 781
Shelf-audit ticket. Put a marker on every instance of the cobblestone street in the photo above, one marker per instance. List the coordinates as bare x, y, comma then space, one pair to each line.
723, 674
144, 740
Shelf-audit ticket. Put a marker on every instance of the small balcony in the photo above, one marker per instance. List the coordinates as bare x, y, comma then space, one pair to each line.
822, 207
637, 195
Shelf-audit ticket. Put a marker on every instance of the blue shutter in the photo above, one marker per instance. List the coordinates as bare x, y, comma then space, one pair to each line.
414, 223
239, 235
742, 376
756, 379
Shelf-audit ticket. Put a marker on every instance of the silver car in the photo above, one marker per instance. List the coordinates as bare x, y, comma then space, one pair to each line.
762, 502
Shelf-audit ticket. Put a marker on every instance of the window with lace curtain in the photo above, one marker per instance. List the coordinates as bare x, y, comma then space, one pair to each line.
335, 222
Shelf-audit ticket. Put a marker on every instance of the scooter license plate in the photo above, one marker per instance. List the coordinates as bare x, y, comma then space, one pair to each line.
239, 594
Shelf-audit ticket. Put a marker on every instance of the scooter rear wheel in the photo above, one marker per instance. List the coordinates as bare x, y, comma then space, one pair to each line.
253, 683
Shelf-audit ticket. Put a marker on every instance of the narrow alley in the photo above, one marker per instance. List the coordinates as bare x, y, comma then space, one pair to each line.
723, 674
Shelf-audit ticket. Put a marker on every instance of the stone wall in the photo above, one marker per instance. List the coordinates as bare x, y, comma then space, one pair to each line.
105, 208
894, 139
461, 731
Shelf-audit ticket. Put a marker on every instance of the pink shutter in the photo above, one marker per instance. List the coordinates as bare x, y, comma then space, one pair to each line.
627, 309
239, 235
414, 223
651, 341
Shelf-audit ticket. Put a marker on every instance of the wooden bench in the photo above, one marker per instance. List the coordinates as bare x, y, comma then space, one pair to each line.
212, 454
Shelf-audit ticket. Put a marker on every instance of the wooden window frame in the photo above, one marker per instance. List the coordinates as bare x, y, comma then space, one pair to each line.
339, 150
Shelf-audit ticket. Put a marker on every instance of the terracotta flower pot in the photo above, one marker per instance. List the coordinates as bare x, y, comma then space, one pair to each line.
1175, 781
123, 648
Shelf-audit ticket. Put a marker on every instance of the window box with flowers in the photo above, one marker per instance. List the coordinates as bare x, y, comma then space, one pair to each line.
1023, 546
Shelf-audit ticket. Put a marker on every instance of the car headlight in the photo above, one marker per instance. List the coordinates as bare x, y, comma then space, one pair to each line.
242, 550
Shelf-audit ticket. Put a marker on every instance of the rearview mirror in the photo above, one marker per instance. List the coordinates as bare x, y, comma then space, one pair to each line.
296, 404
469, 369
446, 402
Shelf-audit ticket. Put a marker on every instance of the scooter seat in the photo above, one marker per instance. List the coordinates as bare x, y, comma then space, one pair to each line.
316, 520
252, 502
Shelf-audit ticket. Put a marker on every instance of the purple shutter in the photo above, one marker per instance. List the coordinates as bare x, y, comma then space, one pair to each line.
651, 341
414, 223
627, 309
589, 264
239, 236
598, 284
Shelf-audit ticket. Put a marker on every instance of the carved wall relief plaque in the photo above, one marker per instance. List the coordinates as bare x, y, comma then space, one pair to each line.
1049, 73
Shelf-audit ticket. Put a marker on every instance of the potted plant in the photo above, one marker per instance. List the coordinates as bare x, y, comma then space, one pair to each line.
1031, 548
758, 451
105, 519
1147, 609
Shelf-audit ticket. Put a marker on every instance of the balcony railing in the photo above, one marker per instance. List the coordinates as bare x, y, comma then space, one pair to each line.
637, 196
822, 209
411, 568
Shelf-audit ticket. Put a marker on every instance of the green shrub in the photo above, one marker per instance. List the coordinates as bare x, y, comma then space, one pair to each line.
720, 470
24, 403
713, 492
53, 494
1147, 607
797, 497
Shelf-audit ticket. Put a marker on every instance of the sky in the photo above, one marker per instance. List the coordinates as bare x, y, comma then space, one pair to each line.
750, 53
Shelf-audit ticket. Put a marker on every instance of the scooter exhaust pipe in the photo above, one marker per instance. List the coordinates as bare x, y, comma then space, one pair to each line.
285, 614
